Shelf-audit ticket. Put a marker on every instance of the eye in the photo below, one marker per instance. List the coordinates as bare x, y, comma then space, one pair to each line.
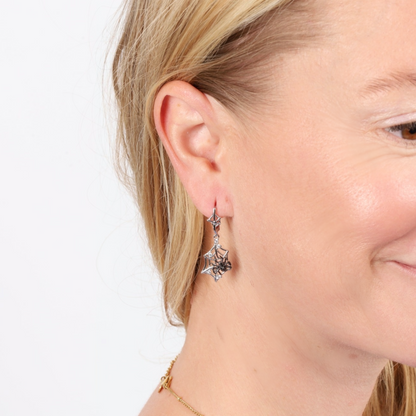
404, 131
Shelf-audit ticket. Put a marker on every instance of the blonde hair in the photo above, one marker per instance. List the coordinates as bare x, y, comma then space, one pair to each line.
218, 46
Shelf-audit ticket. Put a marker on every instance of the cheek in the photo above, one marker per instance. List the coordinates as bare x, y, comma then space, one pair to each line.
378, 210
383, 205
317, 223
387, 300
359, 299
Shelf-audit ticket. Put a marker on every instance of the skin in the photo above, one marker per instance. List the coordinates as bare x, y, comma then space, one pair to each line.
316, 198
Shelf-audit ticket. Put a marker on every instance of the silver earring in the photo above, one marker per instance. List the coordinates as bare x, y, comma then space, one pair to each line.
216, 260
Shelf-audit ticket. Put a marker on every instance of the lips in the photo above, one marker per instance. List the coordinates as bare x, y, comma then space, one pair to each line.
406, 263
405, 266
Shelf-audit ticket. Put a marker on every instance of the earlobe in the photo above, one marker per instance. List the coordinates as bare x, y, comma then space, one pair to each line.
185, 121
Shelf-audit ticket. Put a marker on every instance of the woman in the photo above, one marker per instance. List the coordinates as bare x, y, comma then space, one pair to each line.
296, 121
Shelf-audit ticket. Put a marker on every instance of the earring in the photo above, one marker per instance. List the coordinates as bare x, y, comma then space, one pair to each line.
216, 260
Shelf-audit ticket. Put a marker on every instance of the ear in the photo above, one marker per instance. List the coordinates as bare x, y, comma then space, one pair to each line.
190, 126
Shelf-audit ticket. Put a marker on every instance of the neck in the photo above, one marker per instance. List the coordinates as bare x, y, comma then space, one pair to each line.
240, 358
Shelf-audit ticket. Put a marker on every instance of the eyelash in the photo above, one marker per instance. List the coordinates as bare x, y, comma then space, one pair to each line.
398, 127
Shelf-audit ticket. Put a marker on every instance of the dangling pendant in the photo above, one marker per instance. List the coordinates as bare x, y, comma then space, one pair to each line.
216, 260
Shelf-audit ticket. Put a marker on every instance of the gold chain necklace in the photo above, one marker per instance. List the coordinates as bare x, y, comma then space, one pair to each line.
166, 380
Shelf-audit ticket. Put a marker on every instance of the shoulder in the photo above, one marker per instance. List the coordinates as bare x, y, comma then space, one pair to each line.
162, 404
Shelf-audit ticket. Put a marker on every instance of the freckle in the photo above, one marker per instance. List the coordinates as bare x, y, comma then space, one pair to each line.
220, 334
352, 355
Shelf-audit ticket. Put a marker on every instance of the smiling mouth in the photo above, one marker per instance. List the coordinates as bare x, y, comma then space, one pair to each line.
406, 267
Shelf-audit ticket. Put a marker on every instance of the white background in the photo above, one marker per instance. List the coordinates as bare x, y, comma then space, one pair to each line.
82, 330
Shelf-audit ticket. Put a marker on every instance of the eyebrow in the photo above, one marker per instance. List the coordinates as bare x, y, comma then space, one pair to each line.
392, 81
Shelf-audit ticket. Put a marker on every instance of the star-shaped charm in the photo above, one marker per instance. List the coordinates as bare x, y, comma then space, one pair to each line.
215, 220
216, 262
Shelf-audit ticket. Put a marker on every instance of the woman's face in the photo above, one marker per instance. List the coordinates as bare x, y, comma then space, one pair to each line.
325, 194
